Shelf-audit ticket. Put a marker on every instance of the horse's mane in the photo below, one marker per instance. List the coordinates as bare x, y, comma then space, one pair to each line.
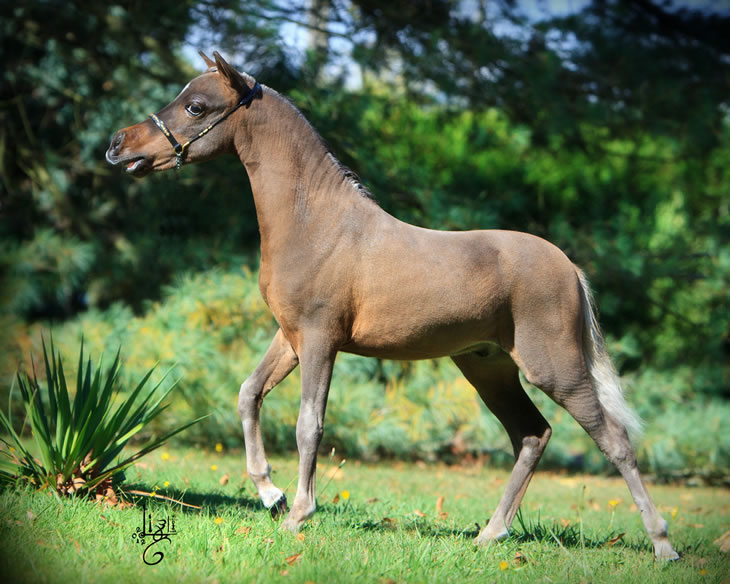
347, 174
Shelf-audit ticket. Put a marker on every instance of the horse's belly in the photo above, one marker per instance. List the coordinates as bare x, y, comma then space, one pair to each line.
427, 338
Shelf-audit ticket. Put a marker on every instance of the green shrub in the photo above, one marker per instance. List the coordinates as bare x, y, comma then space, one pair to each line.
78, 436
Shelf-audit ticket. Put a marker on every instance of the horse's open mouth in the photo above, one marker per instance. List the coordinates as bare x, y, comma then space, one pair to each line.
138, 165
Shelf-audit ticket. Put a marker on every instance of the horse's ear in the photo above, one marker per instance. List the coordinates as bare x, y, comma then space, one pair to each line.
210, 64
235, 79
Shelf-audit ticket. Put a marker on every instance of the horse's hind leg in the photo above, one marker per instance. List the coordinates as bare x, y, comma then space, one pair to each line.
496, 378
279, 360
566, 379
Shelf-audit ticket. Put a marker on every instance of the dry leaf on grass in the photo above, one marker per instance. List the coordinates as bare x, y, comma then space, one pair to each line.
335, 473
723, 542
224, 479
419, 513
615, 540
440, 504
291, 560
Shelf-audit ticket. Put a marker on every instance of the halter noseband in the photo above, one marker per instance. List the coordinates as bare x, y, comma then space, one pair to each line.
180, 148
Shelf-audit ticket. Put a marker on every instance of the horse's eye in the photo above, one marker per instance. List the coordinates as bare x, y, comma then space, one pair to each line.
194, 109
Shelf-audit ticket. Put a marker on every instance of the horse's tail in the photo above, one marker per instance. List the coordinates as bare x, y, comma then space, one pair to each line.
603, 374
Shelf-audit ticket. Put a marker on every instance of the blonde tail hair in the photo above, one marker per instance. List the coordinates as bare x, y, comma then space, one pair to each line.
603, 374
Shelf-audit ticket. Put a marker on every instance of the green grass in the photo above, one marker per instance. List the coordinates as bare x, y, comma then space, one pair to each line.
388, 530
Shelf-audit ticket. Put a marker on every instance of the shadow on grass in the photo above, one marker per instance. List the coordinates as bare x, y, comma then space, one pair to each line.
208, 501
567, 536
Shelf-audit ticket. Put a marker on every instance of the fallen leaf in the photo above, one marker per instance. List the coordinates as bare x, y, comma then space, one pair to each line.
440, 504
564, 522
520, 558
109, 521
335, 473
388, 522
291, 560
243, 530
419, 513
224, 479
336, 498
443, 515
373, 500
301, 536
284, 572
615, 540
723, 542
30, 515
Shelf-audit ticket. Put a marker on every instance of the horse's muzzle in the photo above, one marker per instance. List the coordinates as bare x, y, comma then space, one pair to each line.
136, 165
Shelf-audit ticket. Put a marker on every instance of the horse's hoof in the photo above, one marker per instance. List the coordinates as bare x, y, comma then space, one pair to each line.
486, 537
279, 507
291, 525
664, 552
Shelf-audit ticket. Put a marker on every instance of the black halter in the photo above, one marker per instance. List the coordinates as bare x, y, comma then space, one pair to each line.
180, 148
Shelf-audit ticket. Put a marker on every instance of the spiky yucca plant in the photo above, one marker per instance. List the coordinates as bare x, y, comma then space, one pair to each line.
78, 438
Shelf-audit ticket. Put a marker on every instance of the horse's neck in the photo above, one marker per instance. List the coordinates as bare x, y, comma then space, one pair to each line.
302, 196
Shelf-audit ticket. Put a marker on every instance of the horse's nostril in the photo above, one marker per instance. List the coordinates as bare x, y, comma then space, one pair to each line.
116, 143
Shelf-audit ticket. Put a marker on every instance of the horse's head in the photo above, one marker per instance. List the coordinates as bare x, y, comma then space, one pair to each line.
183, 131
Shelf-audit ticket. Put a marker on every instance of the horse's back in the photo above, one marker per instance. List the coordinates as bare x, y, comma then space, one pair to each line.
435, 293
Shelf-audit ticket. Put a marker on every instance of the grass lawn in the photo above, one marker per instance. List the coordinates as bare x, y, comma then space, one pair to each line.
381, 523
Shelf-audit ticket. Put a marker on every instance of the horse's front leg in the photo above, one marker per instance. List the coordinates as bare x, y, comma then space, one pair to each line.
317, 361
279, 360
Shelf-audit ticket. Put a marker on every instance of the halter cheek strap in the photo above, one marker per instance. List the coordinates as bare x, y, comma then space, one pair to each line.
180, 148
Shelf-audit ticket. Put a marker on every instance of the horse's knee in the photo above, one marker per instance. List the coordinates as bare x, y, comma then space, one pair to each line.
309, 429
534, 444
250, 397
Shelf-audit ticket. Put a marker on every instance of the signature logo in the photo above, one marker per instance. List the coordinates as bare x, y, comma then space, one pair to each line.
159, 531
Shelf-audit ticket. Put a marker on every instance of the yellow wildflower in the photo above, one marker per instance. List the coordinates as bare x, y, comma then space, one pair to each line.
219, 447
345, 495
165, 456
218, 520
213, 467
503, 565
